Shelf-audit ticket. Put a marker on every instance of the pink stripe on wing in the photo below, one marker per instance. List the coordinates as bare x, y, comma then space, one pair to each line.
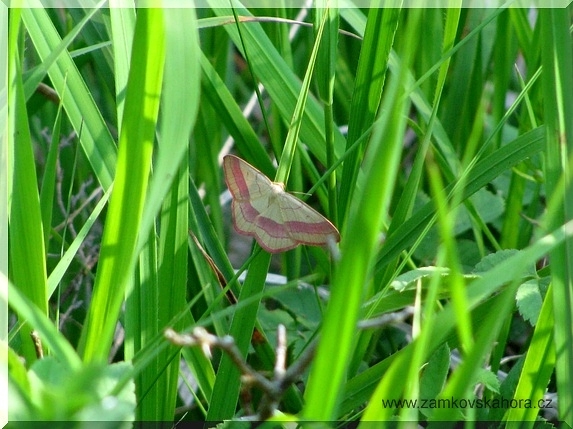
273, 228
239, 178
249, 212
310, 228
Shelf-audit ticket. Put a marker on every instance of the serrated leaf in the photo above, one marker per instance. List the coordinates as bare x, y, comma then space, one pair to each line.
529, 301
488, 379
493, 259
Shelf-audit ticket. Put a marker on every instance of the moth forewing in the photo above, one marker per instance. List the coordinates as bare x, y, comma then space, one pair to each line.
262, 209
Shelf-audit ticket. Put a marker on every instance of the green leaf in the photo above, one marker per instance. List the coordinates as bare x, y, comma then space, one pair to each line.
493, 259
488, 379
529, 301
435, 373
82, 395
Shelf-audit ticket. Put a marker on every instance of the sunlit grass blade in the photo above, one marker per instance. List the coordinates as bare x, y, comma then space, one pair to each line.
359, 242
80, 108
26, 236
122, 28
557, 79
182, 80
538, 366
34, 77
126, 205
491, 282
169, 189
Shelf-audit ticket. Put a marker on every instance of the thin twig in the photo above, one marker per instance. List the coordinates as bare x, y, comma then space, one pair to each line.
283, 378
273, 389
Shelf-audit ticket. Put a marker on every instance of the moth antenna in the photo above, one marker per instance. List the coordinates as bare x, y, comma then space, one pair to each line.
306, 194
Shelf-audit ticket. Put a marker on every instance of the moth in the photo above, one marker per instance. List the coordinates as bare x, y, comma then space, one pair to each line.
263, 210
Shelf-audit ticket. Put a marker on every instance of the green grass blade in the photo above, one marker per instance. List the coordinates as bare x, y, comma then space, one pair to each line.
49, 180
370, 76
483, 172
538, 366
168, 284
52, 339
557, 79
172, 277
142, 327
326, 66
182, 79
126, 205
26, 237
281, 83
358, 245
95, 137
295, 126
122, 30
325, 71
491, 282
34, 77
63, 265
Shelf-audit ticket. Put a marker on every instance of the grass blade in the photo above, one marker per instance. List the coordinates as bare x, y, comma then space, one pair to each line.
358, 245
126, 205
84, 115
378, 39
557, 78
26, 237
